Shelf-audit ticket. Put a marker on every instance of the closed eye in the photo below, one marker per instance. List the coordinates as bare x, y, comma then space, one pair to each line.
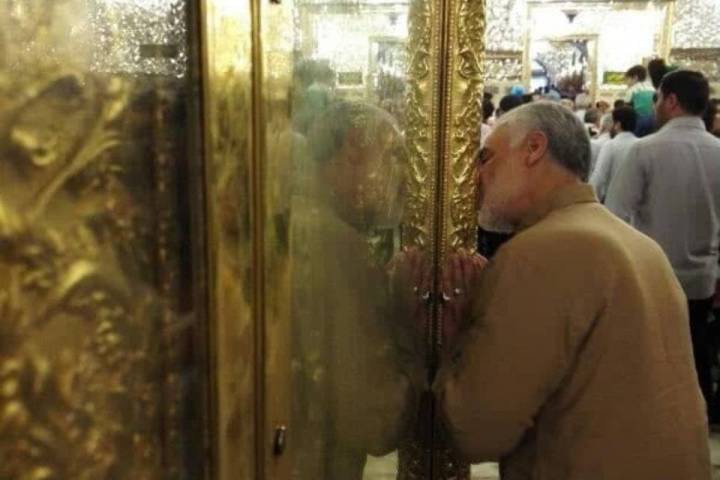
483, 156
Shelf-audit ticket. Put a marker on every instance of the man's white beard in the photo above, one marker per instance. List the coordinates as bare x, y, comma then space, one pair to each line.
491, 216
490, 222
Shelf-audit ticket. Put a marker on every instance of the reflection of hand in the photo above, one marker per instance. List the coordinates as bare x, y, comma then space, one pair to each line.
410, 273
410, 283
459, 283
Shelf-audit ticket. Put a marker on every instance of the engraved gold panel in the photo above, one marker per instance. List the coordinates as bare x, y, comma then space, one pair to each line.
421, 137
227, 60
464, 115
461, 117
100, 370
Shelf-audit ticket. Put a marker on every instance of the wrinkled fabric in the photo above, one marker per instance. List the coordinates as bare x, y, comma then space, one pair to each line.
578, 363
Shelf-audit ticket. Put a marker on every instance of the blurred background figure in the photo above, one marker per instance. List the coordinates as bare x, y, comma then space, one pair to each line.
640, 95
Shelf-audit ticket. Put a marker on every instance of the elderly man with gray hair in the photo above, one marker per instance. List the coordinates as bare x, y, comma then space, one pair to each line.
576, 363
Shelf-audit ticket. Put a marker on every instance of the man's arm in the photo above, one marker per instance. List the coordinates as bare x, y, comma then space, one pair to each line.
627, 188
513, 357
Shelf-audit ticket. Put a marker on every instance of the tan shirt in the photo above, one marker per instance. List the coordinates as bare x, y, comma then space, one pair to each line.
578, 363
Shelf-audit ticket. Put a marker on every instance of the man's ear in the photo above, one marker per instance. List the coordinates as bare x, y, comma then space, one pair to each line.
672, 101
537, 145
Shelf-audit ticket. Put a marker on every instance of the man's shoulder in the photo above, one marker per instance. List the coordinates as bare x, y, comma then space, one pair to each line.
570, 230
667, 141
657, 142
577, 244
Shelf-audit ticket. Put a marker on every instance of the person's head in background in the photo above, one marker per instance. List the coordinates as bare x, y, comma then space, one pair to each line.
488, 109
606, 124
657, 69
603, 106
682, 93
583, 101
624, 119
507, 103
567, 103
712, 117
517, 90
635, 74
618, 103
592, 121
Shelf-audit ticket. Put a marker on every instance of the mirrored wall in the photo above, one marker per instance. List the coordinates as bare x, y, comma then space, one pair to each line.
587, 45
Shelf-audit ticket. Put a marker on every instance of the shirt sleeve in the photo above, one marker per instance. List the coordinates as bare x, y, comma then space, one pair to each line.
629, 94
511, 360
627, 188
601, 174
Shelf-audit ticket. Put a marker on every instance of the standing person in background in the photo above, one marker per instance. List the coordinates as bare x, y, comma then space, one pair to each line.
603, 106
657, 69
603, 136
640, 95
507, 103
488, 109
669, 189
582, 105
614, 153
712, 117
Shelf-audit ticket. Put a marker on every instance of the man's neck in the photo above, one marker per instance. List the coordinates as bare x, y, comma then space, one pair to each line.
547, 184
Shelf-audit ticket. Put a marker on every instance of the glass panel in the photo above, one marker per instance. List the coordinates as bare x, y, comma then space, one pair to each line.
101, 368
347, 174
569, 43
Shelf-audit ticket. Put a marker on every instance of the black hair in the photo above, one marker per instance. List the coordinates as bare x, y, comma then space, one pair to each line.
488, 108
592, 115
691, 89
508, 102
709, 116
657, 69
626, 116
637, 71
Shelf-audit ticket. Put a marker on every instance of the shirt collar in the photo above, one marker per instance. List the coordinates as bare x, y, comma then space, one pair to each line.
686, 121
561, 198
625, 135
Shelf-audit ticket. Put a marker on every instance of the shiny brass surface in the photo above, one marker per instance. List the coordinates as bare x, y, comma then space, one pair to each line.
464, 97
227, 101
272, 174
98, 373
421, 136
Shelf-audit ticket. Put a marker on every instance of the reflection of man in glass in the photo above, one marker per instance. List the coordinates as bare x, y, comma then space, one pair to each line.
348, 392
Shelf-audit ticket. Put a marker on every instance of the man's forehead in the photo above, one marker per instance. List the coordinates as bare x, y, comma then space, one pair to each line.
496, 138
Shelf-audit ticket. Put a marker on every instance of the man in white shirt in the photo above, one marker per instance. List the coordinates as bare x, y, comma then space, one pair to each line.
613, 153
669, 189
603, 136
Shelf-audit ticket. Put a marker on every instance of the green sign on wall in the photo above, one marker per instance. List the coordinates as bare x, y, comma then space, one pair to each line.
614, 78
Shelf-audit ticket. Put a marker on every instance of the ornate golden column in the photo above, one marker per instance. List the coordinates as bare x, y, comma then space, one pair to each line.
446, 48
